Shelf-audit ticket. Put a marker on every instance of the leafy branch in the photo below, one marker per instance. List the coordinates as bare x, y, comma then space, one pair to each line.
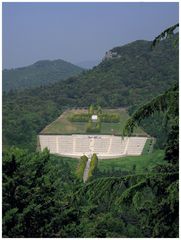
157, 104
165, 34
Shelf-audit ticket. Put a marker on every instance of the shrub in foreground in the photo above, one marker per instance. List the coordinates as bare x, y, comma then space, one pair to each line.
93, 165
81, 167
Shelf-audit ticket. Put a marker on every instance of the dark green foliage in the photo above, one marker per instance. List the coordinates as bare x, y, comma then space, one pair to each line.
41, 187
81, 167
168, 103
38, 74
165, 187
139, 202
24, 118
160, 103
159, 202
160, 133
93, 127
169, 32
34, 193
91, 109
164, 204
172, 145
113, 172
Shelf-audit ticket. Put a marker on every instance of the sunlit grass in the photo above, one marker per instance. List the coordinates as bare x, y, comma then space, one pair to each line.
142, 163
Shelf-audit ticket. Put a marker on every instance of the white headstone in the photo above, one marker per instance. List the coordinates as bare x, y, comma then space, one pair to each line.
94, 117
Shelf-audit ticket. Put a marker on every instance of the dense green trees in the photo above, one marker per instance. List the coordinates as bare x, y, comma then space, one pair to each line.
34, 193
81, 167
43, 198
91, 109
165, 187
168, 103
41, 73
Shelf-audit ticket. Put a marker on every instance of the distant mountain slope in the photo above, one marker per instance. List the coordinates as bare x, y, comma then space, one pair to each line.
38, 74
133, 75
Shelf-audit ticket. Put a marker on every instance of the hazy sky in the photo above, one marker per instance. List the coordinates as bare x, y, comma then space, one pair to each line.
78, 32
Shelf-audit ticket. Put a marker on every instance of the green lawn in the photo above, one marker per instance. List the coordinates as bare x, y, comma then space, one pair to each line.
142, 163
62, 125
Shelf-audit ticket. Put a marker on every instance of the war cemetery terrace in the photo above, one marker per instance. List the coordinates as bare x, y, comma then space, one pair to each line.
79, 132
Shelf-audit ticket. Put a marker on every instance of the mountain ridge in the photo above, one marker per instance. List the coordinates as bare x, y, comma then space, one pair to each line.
42, 72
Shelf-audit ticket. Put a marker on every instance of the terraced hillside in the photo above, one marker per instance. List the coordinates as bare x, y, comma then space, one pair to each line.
68, 138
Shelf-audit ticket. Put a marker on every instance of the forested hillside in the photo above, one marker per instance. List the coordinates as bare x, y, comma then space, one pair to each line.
137, 75
132, 79
38, 74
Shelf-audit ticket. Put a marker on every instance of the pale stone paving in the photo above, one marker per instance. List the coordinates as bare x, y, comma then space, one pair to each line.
86, 171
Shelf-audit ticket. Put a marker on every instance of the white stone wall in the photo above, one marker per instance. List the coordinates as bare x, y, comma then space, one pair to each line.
105, 146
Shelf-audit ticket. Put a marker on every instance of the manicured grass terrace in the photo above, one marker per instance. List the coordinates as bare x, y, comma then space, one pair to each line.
63, 125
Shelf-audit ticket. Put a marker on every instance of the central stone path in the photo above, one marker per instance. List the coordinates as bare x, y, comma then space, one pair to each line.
86, 171
91, 146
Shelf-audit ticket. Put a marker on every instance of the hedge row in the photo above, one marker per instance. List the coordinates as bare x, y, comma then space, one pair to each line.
104, 117
93, 165
93, 127
80, 117
81, 167
110, 118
